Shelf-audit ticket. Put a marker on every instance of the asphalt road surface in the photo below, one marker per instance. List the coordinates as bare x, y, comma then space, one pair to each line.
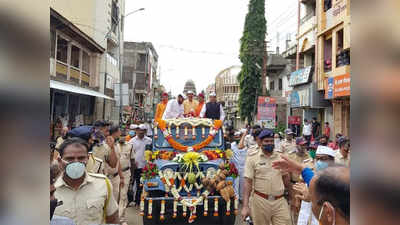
134, 217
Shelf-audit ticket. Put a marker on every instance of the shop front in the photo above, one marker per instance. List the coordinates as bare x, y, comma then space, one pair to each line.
71, 106
306, 102
338, 91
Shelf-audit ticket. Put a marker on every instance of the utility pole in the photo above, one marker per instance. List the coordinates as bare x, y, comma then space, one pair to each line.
264, 72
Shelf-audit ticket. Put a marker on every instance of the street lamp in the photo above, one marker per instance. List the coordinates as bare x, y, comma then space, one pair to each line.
119, 61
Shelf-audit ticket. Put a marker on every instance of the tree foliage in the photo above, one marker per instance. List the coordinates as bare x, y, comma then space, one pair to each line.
251, 56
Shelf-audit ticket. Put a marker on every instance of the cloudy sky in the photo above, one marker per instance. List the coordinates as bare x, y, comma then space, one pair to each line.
195, 39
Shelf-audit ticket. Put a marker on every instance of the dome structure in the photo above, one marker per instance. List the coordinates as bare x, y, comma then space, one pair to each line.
189, 86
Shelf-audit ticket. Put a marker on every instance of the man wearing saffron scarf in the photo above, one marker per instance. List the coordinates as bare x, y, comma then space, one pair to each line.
161, 106
200, 105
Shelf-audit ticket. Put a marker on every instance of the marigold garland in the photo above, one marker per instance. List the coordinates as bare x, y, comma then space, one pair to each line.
178, 146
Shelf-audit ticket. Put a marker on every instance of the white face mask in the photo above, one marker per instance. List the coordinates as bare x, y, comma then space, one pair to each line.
277, 142
320, 215
75, 170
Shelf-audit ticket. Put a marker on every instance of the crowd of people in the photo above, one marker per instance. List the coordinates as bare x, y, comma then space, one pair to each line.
277, 184
283, 179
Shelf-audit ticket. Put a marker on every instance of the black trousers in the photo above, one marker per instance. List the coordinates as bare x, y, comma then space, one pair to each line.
137, 174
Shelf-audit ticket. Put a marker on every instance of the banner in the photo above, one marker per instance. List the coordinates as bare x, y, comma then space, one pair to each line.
266, 111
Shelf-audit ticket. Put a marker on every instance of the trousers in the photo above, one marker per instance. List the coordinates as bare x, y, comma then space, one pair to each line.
123, 196
137, 174
275, 212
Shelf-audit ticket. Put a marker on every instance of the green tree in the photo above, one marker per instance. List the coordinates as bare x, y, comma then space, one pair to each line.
251, 56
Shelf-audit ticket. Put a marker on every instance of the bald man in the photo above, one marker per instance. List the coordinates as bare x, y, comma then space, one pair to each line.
330, 195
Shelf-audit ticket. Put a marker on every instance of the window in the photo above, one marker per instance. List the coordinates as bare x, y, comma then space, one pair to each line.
280, 84
75, 56
52, 43
327, 5
114, 17
328, 55
85, 62
342, 56
62, 49
272, 85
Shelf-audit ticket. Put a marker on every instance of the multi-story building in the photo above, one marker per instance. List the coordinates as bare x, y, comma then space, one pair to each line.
101, 22
333, 59
227, 90
278, 72
140, 72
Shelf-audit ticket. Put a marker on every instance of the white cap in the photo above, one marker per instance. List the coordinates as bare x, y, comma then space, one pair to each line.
142, 127
237, 133
213, 94
190, 92
243, 130
324, 150
133, 126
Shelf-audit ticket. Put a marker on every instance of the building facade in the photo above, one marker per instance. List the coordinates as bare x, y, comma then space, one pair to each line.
189, 86
140, 71
227, 90
333, 59
278, 72
102, 22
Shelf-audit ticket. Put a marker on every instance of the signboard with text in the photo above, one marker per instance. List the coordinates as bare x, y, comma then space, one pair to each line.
266, 112
300, 76
338, 86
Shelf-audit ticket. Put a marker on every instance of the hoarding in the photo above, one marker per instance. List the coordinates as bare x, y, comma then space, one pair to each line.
266, 111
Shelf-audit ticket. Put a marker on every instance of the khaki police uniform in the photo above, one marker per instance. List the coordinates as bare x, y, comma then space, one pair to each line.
294, 177
88, 204
125, 160
112, 173
287, 146
268, 204
340, 159
95, 165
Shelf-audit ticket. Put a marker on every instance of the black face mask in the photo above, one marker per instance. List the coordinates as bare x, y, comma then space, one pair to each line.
268, 148
323, 143
53, 205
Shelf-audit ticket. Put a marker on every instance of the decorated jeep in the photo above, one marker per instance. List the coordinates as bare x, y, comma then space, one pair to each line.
188, 177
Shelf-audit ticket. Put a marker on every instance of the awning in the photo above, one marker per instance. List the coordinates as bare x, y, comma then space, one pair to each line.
74, 89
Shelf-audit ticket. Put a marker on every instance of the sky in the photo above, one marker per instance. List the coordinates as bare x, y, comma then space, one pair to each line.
196, 39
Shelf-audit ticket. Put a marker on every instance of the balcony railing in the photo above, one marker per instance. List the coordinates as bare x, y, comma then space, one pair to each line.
305, 18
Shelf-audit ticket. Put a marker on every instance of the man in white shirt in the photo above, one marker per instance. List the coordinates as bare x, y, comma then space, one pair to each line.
174, 108
239, 159
307, 131
343, 155
139, 143
213, 109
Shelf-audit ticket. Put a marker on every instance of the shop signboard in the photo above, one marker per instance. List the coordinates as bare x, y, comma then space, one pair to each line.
294, 120
300, 76
266, 111
294, 99
338, 86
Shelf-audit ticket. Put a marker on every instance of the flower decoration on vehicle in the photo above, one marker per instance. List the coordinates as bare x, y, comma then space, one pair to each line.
162, 124
162, 154
150, 171
218, 154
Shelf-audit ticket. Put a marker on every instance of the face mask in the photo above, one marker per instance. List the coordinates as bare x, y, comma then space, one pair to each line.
75, 170
277, 141
132, 133
268, 148
320, 165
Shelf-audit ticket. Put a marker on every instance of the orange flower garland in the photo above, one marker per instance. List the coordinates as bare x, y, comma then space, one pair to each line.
178, 146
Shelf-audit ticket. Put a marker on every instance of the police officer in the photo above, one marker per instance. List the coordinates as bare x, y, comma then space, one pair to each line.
289, 143
268, 203
115, 173
87, 198
299, 155
104, 149
125, 162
